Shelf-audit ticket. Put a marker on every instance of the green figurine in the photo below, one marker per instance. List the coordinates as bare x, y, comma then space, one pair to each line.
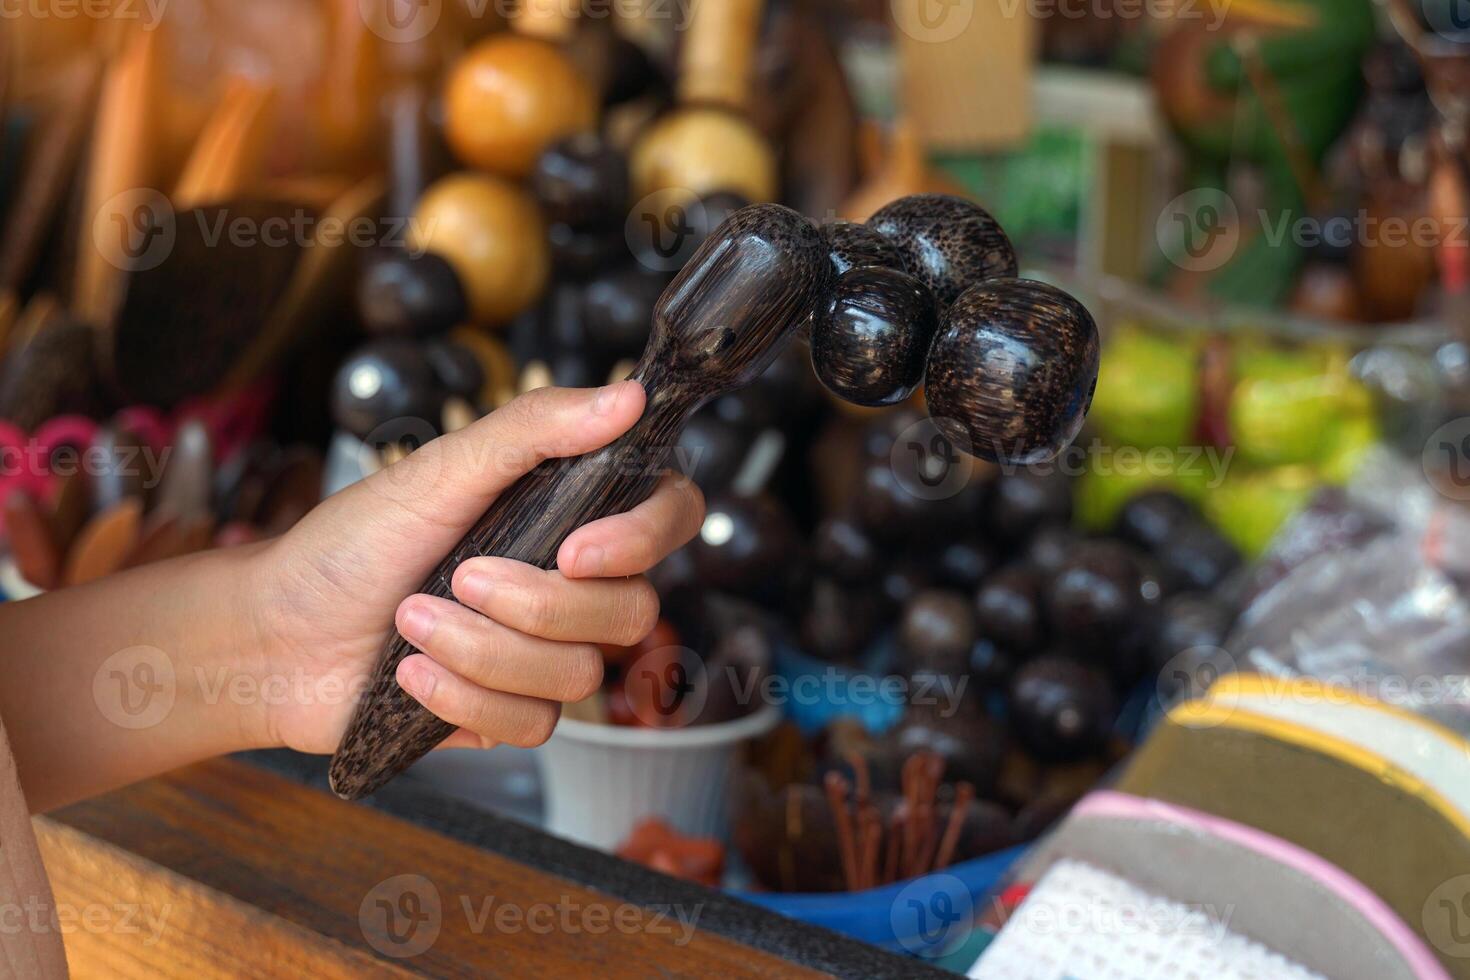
1266, 83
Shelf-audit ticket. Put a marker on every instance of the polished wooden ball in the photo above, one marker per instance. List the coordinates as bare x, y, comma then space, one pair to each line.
386, 382
402, 293
949, 243
702, 149
493, 235
582, 181
1012, 371
851, 245
871, 344
510, 97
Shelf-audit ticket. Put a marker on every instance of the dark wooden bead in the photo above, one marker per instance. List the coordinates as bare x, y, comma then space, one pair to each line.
870, 346
403, 293
579, 253
937, 631
1026, 502
746, 546
1151, 518
456, 368
839, 622
842, 549
617, 309
1012, 371
965, 563
1095, 597
711, 451
385, 381
853, 246
1010, 611
949, 243
582, 181
1061, 709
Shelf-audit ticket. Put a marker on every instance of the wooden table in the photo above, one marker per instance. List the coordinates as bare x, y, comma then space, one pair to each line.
245, 868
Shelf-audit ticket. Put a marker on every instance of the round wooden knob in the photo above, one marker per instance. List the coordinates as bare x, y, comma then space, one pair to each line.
582, 181
617, 309
1012, 371
870, 346
493, 236
508, 98
746, 546
851, 245
937, 631
456, 368
702, 149
385, 381
496, 365
1062, 709
949, 243
579, 253
411, 294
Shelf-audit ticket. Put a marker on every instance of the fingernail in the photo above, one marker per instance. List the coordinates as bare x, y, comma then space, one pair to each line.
418, 680
418, 624
607, 397
476, 587
590, 561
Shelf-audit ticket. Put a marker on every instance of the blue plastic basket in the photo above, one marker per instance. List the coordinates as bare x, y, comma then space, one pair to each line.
925, 916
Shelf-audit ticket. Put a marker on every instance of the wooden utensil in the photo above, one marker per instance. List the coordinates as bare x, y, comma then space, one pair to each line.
32, 541
104, 544
708, 144
226, 161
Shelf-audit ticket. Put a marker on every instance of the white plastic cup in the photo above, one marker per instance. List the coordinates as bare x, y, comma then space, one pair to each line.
601, 781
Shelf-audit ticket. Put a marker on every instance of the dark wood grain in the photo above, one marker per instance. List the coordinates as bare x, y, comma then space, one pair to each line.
851, 245
871, 344
949, 243
1013, 370
717, 327
254, 876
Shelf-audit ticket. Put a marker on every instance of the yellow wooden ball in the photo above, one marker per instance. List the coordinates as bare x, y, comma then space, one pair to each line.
508, 98
492, 233
705, 149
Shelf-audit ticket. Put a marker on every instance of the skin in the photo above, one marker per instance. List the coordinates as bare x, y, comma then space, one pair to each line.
270, 643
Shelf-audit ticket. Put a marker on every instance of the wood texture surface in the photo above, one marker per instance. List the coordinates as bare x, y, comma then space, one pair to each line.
235, 872
716, 328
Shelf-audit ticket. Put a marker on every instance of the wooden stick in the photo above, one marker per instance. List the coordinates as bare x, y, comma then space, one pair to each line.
837, 799
964, 794
872, 829
895, 838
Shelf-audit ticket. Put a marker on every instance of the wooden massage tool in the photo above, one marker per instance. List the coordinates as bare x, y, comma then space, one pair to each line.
1014, 369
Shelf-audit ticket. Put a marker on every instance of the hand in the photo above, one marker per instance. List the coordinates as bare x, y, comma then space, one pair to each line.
523, 642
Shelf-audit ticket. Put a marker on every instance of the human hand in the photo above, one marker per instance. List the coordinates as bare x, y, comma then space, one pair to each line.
523, 642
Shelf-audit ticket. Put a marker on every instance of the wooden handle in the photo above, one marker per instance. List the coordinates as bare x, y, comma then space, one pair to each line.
716, 328
718, 62
550, 20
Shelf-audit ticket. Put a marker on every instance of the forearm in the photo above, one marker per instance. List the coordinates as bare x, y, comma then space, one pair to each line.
131, 676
